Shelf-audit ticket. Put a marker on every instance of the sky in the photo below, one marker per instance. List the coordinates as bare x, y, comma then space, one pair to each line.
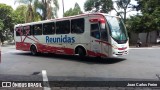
67, 5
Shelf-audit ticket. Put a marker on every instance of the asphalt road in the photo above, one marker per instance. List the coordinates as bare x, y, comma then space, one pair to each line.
141, 63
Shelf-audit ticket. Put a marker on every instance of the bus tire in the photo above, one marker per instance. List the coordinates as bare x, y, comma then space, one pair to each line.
80, 51
33, 50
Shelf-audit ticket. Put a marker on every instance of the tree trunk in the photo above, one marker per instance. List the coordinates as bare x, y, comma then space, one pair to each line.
118, 13
45, 10
63, 7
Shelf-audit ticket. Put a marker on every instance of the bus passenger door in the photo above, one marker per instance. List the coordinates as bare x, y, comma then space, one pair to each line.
95, 39
104, 42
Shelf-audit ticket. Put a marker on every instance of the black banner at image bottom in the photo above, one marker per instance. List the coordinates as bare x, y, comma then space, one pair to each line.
80, 84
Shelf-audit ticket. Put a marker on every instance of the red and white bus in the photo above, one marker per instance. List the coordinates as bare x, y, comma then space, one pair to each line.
96, 35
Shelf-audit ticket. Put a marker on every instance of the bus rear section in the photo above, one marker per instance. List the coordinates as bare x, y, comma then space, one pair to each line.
94, 35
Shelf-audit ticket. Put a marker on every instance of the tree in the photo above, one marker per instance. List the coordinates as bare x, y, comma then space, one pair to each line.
77, 8
48, 11
68, 12
134, 24
122, 4
103, 6
150, 10
150, 18
30, 13
1, 25
75, 11
6, 22
1, 28
19, 15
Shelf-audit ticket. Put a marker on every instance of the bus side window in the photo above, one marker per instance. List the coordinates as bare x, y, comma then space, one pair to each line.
30, 33
95, 31
63, 27
37, 29
20, 31
32, 30
17, 31
49, 28
104, 34
77, 25
58, 27
26, 30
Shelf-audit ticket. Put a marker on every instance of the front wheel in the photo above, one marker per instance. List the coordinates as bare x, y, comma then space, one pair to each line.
81, 52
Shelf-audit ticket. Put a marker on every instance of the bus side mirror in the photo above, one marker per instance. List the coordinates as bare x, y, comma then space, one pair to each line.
102, 25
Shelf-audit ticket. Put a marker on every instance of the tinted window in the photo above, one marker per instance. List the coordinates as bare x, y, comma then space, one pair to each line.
32, 31
37, 29
19, 31
26, 30
95, 31
77, 25
104, 34
63, 27
48, 28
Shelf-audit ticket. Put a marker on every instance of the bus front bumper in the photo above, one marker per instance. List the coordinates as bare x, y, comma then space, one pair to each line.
120, 53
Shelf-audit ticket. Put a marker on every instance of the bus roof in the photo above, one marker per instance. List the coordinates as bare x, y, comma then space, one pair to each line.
75, 16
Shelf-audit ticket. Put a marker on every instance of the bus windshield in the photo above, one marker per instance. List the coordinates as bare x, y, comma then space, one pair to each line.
117, 29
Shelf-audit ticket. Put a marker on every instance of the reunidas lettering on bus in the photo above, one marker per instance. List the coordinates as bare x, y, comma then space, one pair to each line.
62, 39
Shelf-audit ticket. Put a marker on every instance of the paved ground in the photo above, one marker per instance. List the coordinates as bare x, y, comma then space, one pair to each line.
140, 64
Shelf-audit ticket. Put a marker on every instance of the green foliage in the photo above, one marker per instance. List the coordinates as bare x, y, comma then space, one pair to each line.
9, 18
1, 25
27, 11
6, 21
48, 11
20, 14
103, 6
37, 16
150, 19
30, 12
134, 24
75, 11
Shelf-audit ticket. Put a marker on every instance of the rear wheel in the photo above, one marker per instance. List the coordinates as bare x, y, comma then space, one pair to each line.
34, 50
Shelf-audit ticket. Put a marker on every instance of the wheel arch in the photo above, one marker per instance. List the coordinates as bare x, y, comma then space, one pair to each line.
80, 46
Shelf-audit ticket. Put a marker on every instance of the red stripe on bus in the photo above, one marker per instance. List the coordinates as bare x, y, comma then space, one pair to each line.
91, 53
122, 48
103, 42
23, 46
52, 49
